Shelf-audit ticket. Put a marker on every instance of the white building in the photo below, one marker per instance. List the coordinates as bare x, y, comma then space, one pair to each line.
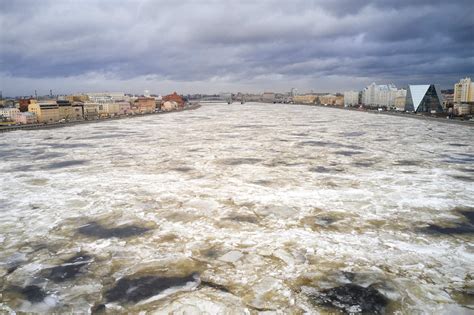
106, 97
351, 98
381, 95
9, 112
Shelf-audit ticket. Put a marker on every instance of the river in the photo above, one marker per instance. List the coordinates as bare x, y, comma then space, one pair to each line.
239, 209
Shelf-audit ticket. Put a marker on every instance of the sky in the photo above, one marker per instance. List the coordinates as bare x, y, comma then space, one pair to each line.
211, 46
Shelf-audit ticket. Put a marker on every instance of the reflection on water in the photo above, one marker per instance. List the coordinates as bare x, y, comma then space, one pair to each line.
238, 209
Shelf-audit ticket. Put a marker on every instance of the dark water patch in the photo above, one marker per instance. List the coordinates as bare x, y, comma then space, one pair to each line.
347, 153
211, 253
353, 134
97, 230
31, 293
112, 136
48, 156
458, 144
215, 286
381, 140
64, 164
277, 163
325, 170
98, 309
466, 170
316, 223
243, 218
462, 158
240, 161
23, 168
321, 121
69, 269
463, 178
462, 227
363, 164
69, 145
263, 182
353, 147
408, 163
301, 134
182, 169
351, 298
458, 229
12, 267
317, 143
138, 289
253, 126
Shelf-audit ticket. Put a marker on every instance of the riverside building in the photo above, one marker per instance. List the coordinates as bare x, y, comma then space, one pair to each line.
381, 95
424, 99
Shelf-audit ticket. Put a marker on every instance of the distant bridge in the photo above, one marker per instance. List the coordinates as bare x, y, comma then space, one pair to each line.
214, 99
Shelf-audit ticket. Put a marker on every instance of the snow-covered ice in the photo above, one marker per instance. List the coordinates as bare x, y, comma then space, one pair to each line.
268, 204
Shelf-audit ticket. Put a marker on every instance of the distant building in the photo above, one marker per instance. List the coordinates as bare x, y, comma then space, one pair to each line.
400, 102
462, 109
78, 98
23, 104
305, 99
91, 111
332, 100
124, 108
46, 111
169, 106
268, 97
174, 98
9, 113
464, 91
66, 111
351, 98
78, 108
381, 95
109, 109
424, 99
25, 118
145, 104
106, 97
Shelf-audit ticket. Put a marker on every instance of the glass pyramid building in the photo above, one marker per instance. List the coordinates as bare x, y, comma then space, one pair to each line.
424, 99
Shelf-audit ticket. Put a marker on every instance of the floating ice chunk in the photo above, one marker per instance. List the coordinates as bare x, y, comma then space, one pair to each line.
285, 256
202, 204
232, 256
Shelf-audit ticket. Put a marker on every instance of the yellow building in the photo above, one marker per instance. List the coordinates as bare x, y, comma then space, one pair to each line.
400, 103
45, 111
109, 109
330, 99
464, 91
77, 98
66, 111
305, 99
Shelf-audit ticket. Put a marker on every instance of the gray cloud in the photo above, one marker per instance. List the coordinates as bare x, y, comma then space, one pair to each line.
213, 44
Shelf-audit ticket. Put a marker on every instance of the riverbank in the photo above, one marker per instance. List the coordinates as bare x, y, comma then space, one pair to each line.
401, 114
73, 123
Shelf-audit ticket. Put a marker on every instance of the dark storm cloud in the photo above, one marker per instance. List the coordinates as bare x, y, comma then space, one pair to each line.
401, 41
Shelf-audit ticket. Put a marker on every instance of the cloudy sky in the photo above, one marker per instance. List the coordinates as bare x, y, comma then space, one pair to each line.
231, 45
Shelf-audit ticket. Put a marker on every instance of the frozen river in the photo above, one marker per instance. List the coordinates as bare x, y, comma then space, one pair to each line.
239, 209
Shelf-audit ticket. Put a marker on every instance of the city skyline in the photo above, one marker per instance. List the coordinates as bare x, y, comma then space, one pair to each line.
211, 46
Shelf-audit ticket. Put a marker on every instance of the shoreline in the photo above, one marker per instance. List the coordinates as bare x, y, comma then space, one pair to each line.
79, 122
396, 114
